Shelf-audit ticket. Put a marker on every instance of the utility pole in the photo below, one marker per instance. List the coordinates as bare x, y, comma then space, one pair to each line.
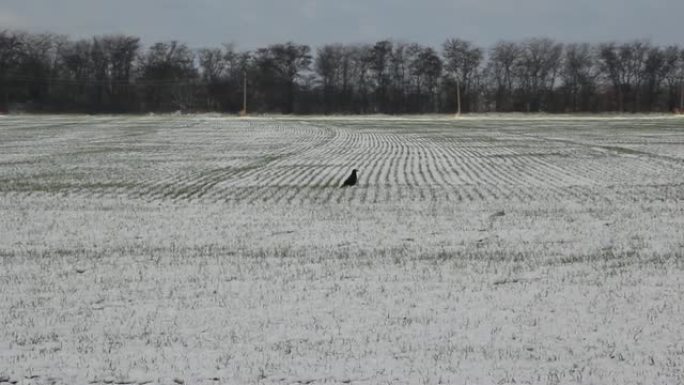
458, 97
681, 95
244, 94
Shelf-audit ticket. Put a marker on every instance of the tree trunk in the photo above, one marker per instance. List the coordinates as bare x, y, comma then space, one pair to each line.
458, 98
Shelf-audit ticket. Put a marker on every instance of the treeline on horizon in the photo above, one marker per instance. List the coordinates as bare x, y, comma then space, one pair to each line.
116, 74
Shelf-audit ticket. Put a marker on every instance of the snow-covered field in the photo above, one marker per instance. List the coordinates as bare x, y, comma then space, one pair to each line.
211, 250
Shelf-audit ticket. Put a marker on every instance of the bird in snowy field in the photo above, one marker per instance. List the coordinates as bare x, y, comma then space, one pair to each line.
351, 181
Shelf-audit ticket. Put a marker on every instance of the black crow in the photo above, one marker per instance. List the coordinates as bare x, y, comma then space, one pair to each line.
351, 181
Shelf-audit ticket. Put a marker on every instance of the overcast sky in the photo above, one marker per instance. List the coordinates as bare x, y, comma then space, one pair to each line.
256, 23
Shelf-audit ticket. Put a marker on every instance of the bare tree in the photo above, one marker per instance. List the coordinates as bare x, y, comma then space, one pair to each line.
654, 73
330, 68
426, 69
537, 70
624, 66
10, 51
360, 75
167, 72
112, 58
379, 59
213, 66
399, 78
279, 67
504, 58
110, 73
579, 75
680, 72
462, 60
634, 55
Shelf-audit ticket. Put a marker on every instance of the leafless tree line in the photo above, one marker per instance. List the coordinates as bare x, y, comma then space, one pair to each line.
52, 73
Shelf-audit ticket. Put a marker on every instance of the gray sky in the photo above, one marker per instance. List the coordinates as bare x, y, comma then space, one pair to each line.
256, 23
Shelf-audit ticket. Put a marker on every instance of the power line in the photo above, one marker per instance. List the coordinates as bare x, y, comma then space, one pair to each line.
9, 77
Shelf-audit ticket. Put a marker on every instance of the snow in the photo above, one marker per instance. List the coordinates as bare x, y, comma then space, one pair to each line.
203, 250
